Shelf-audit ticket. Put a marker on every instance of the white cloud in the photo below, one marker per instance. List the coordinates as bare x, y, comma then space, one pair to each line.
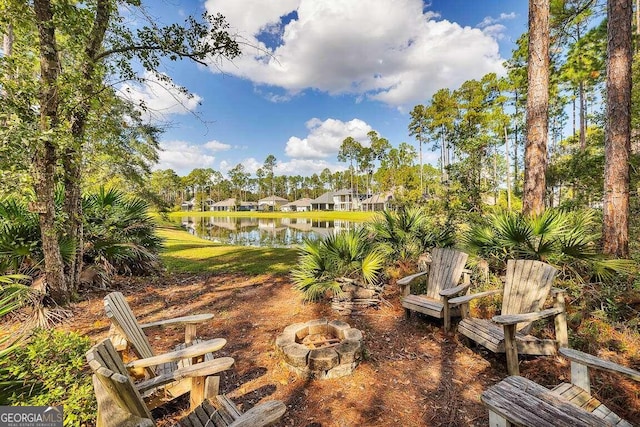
225, 166
325, 137
217, 146
161, 98
183, 157
388, 50
489, 20
496, 31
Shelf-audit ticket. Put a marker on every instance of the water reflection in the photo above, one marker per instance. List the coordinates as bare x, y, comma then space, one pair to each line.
252, 231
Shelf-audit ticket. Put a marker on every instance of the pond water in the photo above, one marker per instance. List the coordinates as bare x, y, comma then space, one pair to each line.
270, 232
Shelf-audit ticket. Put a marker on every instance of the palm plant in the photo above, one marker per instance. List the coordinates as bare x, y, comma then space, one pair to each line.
119, 233
19, 236
405, 234
568, 240
351, 254
13, 296
20, 240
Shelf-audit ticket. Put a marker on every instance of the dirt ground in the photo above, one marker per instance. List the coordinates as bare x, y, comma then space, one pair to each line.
412, 374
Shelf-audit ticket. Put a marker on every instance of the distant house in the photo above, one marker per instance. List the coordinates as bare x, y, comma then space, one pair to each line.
187, 205
208, 203
378, 202
271, 203
344, 200
224, 205
248, 206
323, 203
300, 205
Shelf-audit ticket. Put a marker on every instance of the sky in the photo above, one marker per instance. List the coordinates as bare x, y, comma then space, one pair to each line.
314, 72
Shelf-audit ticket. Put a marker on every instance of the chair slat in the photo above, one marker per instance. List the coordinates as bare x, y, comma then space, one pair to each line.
118, 383
445, 272
122, 316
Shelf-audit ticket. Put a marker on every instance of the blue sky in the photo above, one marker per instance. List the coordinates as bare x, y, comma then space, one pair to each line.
335, 68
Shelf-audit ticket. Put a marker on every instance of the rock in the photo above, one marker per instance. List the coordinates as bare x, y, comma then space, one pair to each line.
323, 359
353, 335
349, 351
284, 340
296, 355
318, 326
337, 328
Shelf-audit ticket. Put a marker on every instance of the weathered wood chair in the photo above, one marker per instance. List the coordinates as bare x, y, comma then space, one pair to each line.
127, 332
445, 270
121, 405
527, 286
519, 401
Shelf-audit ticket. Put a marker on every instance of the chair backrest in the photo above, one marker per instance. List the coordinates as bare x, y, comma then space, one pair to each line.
125, 322
527, 286
445, 270
111, 373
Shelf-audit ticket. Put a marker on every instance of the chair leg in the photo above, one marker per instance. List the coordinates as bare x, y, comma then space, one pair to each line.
196, 396
407, 313
211, 387
447, 317
496, 420
511, 349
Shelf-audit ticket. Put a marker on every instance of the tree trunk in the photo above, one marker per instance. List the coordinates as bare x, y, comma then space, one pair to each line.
583, 117
45, 155
535, 161
72, 159
516, 130
615, 231
506, 155
7, 41
73, 209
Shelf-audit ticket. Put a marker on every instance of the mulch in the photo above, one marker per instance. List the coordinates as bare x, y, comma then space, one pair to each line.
413, 374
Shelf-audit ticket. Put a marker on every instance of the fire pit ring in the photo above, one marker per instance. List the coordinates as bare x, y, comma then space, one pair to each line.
320, 348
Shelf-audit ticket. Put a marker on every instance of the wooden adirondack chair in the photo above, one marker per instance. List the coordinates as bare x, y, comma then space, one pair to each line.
519, 401
527, 286
126, 331
445, 269
121, 405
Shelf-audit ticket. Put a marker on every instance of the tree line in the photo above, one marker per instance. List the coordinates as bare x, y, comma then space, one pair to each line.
499, 139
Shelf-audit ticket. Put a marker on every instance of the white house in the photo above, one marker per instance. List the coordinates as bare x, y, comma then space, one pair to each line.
271, 203
378, 202
300, 205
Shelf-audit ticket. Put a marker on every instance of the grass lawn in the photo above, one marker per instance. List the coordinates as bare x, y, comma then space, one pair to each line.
184, 253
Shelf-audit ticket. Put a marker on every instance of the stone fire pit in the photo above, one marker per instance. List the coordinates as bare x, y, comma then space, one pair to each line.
320, 348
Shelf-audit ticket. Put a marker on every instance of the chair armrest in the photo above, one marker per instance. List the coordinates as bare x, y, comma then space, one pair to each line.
512, 319
185, 320
186, 353
201, 369
408, 279
466, 298
261, 415
448, 293
597, 363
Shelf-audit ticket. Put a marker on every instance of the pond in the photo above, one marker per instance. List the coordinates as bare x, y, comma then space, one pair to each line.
269, 232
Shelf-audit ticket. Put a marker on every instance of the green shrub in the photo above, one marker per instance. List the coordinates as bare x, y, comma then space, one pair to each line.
53, 371
120, 233
349, 254
408, 232
567, 240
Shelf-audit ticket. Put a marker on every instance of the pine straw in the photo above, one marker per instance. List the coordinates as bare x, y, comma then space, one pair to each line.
413, 374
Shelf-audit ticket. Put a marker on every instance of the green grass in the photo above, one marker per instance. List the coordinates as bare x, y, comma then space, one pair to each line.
185, 253
318, 215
